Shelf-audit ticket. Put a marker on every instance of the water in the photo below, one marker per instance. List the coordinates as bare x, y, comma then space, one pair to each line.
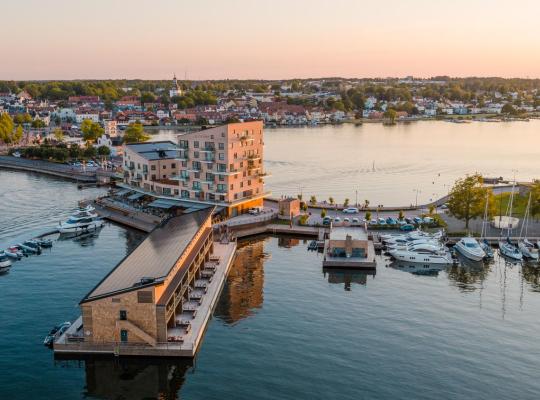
283, 327
387, 164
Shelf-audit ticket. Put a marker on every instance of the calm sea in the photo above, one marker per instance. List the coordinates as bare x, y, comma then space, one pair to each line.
283, 328
389, 164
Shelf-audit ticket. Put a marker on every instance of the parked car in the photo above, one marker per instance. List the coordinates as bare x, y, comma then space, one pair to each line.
373, 222
428, 220
337, 219
406, 227
418, 220
327, 220
350, 210
355, 220
346, 220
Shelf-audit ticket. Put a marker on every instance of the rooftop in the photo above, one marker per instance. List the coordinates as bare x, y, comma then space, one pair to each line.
341, 232
155, 150
153, 258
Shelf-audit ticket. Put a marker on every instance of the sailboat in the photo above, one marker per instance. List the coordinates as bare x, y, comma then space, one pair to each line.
484, 244
525, 246
505, 246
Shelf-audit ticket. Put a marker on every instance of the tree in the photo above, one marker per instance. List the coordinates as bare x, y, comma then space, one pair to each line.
401, 215
366, 203
323, 213
147, 97
18, 134
368, 216
103, 151
390, 115
535, 198
346, 203
6, 128
91, 130
37, 123
509, 109
58, 134
135, 133
467, 198
331, 200
312, 200
90, 152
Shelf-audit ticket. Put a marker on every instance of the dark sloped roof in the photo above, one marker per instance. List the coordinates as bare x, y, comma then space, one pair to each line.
155, 150
154, 257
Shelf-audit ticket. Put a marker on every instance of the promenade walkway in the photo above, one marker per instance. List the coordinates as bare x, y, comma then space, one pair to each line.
49, 168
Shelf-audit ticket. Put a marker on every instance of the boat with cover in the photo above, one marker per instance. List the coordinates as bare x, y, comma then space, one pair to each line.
14, 252
524, 244
506, 247
30, 246
470, 248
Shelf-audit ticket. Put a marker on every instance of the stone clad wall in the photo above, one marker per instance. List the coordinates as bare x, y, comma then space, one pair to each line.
104, 314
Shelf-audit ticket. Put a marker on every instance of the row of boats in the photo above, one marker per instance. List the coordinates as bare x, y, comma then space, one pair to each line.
83, 220
429, 248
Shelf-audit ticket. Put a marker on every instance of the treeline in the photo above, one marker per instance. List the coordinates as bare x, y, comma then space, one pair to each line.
60, 152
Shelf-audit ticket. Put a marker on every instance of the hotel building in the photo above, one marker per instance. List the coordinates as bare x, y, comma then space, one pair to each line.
220, 166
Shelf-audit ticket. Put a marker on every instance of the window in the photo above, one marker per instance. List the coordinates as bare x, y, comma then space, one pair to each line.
196, 144
153, 177
164, 167
144, 296
221, 146
123, 336
153, 167
221, 187
173, 165
184, 194
123, 315
196, 185
221, 178
221, 156
195, 154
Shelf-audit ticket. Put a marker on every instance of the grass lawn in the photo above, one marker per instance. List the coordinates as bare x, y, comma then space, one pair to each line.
502, 200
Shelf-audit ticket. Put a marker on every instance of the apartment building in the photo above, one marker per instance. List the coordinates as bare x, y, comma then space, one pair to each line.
219, 166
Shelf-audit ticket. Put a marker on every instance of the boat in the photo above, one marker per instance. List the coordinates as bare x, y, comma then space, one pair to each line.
470, 248
14, 252
82, 221
5, 263
484, 244
524, 244
423, 256
55, 333
45, 243
30, 246
506, 247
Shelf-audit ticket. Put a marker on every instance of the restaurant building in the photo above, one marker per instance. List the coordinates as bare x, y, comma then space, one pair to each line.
157, 300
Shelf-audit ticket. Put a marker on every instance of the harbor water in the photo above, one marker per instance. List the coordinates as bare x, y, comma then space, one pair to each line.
283, 328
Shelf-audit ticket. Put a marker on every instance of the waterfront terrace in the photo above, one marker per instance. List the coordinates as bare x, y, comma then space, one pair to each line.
158, 299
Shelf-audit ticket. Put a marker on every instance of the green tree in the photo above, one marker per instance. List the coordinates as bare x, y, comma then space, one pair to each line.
323, 213
6, 128
331, 200
37, 123
368, 216
390, 115
135, 133
147, 97
103, 151
58, 134
89, 152
467, 198
91, 130
401, 215
535, 198
312, 200
509, 109
346, 203
18, 134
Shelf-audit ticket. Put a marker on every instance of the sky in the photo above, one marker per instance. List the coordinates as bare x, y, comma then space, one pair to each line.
267, 39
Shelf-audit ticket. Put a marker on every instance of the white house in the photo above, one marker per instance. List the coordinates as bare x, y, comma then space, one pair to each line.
80, 116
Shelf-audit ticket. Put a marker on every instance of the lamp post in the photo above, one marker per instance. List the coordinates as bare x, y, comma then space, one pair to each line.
356, 202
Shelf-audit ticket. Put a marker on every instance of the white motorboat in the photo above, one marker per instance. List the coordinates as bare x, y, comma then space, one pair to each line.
470, 248
82, 221
5, 263
416, 244
424, 256
507, 249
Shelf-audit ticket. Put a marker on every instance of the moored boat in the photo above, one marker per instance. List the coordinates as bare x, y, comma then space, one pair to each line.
470, 248
5, 263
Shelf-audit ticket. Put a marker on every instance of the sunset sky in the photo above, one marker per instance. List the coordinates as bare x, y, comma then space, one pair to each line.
268, 39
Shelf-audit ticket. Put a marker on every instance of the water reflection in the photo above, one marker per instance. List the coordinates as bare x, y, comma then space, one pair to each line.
531, 274
243, 289
417, 268
347, 277
288, 242
131, 378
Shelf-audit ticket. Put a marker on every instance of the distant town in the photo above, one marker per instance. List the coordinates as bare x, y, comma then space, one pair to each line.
39, 107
